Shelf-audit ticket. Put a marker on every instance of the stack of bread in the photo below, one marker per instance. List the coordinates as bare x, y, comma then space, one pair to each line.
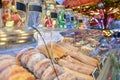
10, 69
39, 64
71, 60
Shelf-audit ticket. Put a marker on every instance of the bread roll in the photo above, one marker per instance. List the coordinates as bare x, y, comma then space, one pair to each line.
69, 47
34, 59
23, 51
41, 66
83, 58
11, 70
6, 63
6, 57
66, 76
77, 67
84, 66
24, 56
22, 76
78, 75
50, 72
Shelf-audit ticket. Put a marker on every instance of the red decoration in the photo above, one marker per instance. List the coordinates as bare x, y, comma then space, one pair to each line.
74, 3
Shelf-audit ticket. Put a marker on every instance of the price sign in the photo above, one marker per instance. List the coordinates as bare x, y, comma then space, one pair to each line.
95, 74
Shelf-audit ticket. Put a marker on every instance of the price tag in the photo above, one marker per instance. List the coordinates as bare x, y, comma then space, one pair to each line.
35, 8
21, 6
100, 65
95, 74
54, 15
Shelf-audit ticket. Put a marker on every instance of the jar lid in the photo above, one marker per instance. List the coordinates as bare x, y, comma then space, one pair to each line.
50, 2
59, 6
69, 9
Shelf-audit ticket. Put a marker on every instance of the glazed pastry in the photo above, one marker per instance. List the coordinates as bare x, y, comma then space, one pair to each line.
2, 57
41, 66
26, 55
11, 70
34, 59
23, 51
82, 68
22, 76
83, 58
78, 75
66, 76
74, 61
6, 63
68, 46
50, 72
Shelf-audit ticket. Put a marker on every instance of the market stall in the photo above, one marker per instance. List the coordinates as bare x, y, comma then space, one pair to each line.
53, 40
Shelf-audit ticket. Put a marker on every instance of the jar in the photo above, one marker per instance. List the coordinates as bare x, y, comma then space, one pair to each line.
7, 14
34, 13
75, 19
20, 15
60, 9
69, 15
50, 8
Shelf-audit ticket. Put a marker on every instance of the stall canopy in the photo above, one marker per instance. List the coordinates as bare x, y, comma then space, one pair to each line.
75, 3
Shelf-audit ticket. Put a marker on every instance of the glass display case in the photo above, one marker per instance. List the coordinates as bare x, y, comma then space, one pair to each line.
56, 52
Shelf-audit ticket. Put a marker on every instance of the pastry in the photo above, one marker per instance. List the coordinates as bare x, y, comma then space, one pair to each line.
6, 63
11, 70
78, 75
83, 58
2, 57
51, 72
82, 68
22, 76
34, 59
66, 76
41, 66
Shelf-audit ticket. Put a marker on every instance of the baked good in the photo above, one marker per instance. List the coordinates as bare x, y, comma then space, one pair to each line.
11, 70
87, 49
25, 54
51, 72
22, 76
69, 47
41, 66
34, 59
66, 76
82, 68
2, 57
78, 75
23, 51
6, 63
83, 58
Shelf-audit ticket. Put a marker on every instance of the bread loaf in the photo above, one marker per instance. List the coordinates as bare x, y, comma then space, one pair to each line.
11, 70
2, 57
77, 67
22, 76
50, 72
34, 59
6, 63
66, 76
41, 66
78, 75
83, 58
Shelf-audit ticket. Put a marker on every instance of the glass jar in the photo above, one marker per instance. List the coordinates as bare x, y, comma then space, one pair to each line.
20, 15
60, 9
34, 13
1, 22
80, 20
50, 8
7, 14
69, 15
75, 19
